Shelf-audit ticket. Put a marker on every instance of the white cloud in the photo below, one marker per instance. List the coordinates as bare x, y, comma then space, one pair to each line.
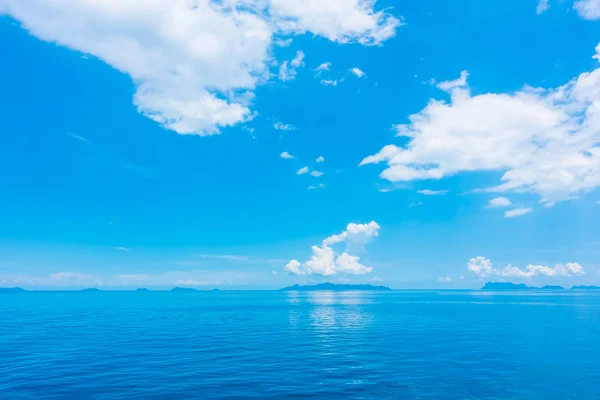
444, 279
428, 192
316, 174
319, 186
286, 155
71, 279
320, 159
457, 83
499, 202
588, 9
280, 126
324, 261
343, 21
517, 212
282, 42
120, 248
542, 6
326, 66
288, 72
196, 63
301, 171
329, 82
482, 266
357, 72
294, 267
545, 140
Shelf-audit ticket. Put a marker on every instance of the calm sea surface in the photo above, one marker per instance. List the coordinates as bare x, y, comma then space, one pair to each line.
344, 345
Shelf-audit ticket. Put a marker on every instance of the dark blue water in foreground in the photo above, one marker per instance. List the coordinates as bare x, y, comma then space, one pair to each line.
361, 345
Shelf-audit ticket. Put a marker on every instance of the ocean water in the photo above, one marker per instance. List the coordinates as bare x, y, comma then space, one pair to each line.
329, 345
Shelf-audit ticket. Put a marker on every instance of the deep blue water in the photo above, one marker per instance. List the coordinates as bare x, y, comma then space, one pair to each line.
360, 345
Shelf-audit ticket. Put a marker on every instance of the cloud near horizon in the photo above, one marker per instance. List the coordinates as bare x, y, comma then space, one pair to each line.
483, 267
324, 261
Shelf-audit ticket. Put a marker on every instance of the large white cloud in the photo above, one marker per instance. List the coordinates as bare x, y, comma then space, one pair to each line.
195, 63
588, 9
324, 261
545, 140
483, 267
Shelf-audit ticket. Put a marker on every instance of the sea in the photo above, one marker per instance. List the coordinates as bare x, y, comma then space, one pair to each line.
526, 345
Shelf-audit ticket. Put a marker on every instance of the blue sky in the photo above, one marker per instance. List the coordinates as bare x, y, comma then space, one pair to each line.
142, 143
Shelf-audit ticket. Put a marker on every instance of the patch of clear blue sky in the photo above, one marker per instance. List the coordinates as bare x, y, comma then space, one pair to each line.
82, 171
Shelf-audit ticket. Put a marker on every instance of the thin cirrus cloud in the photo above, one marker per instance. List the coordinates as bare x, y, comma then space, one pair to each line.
121, 248
483, 267
545, 140
517, 212
427, 192
196, 64
326, 261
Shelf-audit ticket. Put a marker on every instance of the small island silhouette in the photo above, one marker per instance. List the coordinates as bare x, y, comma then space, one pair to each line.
12, 290
334, 287
493, 286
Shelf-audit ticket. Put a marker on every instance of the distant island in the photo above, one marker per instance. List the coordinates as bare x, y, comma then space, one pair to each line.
584, 287
184, 290
519, 286
142, 290
334, 287
91, 290
12, 290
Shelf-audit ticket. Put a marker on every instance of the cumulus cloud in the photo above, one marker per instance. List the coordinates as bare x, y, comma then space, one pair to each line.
324, 259
320, 159
319, 186
499, 202
546, 141
483, 267
196, 63
517, 212
427, 192
357, 72
542, 6
286, 155
301, 171
588, 9
288, 72
444, 279
316, 174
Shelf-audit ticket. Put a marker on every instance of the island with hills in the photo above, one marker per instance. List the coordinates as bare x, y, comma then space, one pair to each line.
494, 286
335, 287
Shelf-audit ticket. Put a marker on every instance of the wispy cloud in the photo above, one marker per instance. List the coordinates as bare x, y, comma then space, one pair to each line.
517, 212
120, 248
427, 192
280, 126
